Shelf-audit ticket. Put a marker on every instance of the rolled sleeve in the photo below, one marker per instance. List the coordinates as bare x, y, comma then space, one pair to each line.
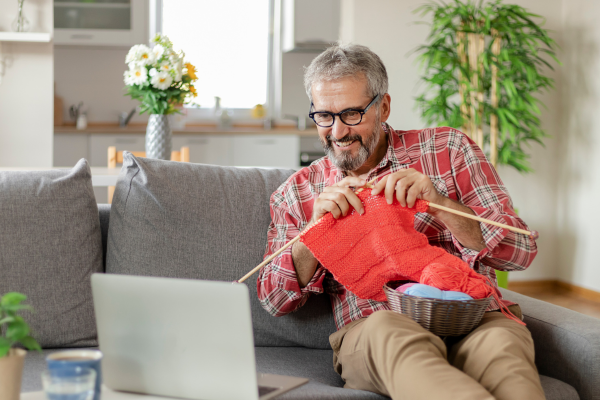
483, 192
277, 285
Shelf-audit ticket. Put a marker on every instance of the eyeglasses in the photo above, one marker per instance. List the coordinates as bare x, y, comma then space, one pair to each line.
351, 116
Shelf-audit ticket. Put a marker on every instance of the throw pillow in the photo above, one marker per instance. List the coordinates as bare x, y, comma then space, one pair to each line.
50, 244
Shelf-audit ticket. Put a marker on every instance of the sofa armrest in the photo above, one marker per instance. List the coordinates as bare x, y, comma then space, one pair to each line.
567, 343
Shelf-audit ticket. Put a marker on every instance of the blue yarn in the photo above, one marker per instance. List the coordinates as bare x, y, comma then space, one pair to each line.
421, 290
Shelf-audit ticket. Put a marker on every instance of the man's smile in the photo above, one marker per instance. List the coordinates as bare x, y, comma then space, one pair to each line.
344, 144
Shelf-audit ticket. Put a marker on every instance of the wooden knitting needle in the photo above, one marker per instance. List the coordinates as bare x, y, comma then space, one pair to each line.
533, 234
291, 242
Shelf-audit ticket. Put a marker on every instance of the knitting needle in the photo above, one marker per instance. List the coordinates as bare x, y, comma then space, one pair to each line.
533, 234
291, 242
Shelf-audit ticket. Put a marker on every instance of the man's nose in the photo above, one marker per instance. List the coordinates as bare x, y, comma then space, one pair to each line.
339, 129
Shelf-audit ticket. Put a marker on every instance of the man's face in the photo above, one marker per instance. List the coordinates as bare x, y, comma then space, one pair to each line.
348, 147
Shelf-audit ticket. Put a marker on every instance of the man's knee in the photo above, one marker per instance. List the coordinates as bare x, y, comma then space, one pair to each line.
387, 328
384, 320
499, 340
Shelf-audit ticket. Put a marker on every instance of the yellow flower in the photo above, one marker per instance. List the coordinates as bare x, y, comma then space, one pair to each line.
193, 91
191, 71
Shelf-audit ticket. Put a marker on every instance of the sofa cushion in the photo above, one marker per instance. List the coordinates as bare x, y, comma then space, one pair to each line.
50, 244
314, 364
198, 221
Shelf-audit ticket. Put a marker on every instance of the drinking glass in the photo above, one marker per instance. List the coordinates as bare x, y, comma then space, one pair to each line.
69, 384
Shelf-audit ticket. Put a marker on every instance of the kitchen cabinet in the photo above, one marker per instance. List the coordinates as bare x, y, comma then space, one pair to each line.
266, 151
99, 144
226, 149
105, 23
309, 25
207, 149
69, 148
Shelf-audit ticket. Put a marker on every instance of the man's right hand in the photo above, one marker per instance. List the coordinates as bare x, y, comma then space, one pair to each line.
337, 199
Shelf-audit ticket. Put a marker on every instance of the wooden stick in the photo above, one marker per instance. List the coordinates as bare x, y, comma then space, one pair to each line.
533, 234
268, 260
291, 242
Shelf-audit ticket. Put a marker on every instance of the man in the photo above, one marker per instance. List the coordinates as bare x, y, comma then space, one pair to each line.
376, 349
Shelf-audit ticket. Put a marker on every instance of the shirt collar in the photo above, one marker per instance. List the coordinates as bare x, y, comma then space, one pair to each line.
396, 152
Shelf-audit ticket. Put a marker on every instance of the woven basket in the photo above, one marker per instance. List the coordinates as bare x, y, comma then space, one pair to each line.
441, 317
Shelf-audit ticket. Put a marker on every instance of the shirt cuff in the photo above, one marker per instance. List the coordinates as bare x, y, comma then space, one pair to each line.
492, 236
287, 279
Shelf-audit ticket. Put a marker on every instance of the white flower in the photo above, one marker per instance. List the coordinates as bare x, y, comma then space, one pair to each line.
165, 66
178, 68
153, 72
158, 51
137, 75
162, 80
140, 55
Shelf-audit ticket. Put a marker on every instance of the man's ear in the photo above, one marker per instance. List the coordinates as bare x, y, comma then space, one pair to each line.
385, 107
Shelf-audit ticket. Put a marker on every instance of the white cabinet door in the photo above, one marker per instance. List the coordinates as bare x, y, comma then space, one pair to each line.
207, 149
266, 151
103, 23
99, 144
70, 148
310, 24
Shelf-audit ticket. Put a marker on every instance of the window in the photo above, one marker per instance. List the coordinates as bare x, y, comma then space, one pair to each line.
228, 42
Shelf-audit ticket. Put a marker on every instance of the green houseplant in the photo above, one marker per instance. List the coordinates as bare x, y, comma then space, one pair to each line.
13, 330
482, 67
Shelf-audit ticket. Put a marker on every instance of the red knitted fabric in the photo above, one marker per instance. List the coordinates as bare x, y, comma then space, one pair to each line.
363, 252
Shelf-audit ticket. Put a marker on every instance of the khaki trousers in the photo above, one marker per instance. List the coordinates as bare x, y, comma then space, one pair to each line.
390, 354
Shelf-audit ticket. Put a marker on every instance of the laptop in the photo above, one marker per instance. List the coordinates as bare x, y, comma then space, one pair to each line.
182, 338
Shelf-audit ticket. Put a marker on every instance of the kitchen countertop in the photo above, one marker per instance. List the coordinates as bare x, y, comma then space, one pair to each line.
194, 130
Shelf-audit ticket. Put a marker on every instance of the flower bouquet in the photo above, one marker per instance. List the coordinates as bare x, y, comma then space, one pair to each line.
160, 79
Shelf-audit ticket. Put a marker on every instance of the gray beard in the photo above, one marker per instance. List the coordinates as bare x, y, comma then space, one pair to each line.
344, 161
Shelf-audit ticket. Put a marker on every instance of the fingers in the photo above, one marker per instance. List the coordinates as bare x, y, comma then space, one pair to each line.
338, 201
379, 186
406, 186
413, 192
351, 181
348, 197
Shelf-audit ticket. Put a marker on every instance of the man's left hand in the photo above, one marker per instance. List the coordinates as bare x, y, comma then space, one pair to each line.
407, 186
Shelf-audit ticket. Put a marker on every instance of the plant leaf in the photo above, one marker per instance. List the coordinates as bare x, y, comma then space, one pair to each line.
12, 299
30, 343
5, 346
17, 330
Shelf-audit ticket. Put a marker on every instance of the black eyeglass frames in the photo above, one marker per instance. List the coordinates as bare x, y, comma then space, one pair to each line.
351, 116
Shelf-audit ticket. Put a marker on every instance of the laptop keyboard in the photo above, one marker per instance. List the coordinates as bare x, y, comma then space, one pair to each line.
265, 390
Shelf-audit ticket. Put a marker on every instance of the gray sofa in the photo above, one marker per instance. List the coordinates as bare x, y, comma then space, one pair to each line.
205, 222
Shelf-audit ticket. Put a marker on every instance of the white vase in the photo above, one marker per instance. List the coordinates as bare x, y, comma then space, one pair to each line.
11, 371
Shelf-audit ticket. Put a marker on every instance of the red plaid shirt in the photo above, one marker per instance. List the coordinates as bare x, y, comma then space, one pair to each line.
457, 168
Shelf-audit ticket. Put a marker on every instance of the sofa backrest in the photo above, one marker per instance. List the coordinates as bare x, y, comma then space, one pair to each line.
199, 221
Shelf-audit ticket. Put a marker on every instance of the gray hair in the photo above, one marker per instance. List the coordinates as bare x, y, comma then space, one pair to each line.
341, 61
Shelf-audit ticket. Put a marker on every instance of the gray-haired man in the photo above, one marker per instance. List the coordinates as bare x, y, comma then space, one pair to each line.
376, 349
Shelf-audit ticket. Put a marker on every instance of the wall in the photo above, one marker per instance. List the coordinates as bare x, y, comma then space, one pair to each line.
26, 92
578, 178
94, 76
389, 28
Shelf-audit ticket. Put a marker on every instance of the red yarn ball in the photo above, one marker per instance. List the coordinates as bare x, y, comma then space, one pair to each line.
456, 278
